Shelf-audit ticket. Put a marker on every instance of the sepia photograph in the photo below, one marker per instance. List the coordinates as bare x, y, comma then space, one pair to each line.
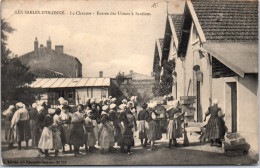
129, 82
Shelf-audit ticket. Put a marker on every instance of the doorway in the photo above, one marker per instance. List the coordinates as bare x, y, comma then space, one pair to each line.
199, 112
231, 106
233, 86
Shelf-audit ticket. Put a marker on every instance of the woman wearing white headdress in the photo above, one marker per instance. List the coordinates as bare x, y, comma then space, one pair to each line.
106, 133
154, 132
33, 114
90, 138
46, 140
213, 127
21, 121
174, 129
66, 125
9, 133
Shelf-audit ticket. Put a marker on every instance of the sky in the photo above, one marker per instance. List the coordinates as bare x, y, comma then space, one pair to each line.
108, 43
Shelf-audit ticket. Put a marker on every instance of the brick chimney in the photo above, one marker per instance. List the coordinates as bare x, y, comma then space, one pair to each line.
101, 74
49, 43
59, 49
36, 44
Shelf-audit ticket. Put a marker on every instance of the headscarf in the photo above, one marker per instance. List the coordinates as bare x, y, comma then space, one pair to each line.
215, 102
34, 105
112, 106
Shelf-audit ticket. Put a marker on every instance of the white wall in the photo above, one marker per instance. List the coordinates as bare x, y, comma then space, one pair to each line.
93, 92
247, 106
185, 73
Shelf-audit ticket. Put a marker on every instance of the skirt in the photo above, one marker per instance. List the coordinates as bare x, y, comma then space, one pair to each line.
24, 133
33, 132
9, 133
117, 133
77, 137
174, 129
106, 138
213, 128
95, 128
154, 132
66, 133
46, 140
56, 139
128, 137
90, 138
142, 129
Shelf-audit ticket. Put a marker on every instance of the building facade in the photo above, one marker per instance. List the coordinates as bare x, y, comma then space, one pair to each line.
217, 58
54, 61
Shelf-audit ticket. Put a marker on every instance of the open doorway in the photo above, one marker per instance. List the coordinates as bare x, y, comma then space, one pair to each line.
231, 106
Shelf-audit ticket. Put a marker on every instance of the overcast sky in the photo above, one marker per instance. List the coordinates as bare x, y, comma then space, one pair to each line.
101, 43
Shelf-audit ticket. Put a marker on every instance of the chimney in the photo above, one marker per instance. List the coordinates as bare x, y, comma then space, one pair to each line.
41, 46
49, 43
123, 73
36, 44
59, 49
101, 74
131, 72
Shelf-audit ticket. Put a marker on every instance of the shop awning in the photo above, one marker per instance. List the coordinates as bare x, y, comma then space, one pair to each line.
70, 82
242, 58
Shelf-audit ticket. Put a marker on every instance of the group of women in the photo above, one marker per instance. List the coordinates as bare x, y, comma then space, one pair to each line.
101, 123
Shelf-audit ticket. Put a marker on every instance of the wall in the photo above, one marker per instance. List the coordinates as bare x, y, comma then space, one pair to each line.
247, 105
50, 59
186, 78
93, 92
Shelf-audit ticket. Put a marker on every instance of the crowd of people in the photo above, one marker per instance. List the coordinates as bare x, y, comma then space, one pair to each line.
100, 123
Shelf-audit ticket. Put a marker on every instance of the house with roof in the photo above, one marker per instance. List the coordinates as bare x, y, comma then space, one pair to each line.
46, 62
75, 90
217, 58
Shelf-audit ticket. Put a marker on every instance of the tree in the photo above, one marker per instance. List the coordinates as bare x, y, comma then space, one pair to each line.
164, 86
120, 78
166, 78
15, 76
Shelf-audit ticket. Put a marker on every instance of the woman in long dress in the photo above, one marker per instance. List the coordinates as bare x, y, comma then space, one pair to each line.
122, 122
114, 118
106, 133
66, 126
174, 129
154, 132
56, 127
33, 113
213, 127
46, 140
20, 121
9, 133
77, 138
128, 135
143, 116
90, 138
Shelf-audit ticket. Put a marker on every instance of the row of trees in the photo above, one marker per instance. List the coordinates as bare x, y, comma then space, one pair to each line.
15, 76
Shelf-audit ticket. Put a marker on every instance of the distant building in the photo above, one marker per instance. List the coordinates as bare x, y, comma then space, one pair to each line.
75, 90
134, 84
46, 62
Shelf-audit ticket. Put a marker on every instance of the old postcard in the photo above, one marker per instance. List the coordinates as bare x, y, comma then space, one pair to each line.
129, 82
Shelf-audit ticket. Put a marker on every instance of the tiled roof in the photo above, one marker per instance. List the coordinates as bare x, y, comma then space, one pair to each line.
46, 73
177, 20
228, 21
